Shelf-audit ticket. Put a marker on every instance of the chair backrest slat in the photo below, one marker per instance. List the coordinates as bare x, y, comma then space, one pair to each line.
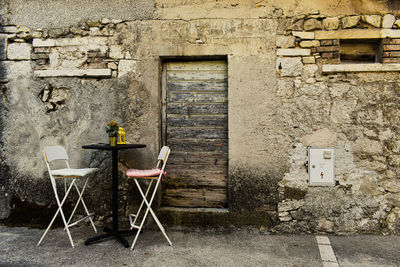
55, 153
163, 153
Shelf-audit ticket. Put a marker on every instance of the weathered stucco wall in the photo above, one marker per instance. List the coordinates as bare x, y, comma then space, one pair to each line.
66, 80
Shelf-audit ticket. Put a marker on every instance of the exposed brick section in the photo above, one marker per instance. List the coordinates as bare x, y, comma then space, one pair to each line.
391, 50
388, 41
329, 51
327, 55
391, 60
329, 42
332, 48
391, 47
326, 42
322, 60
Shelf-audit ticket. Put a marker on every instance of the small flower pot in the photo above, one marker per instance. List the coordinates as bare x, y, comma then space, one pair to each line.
113, 140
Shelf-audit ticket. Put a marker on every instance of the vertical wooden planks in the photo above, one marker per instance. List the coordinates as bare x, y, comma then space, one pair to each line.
197, 131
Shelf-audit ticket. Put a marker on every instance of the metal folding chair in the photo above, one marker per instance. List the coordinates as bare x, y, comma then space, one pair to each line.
153, 175
58, 153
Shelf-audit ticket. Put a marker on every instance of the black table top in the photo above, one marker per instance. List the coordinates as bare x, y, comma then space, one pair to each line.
102, 146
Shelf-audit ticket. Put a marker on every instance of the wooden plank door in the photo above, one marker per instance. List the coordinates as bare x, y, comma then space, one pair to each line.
196, 129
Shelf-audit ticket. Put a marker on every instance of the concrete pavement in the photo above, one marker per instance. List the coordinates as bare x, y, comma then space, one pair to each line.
243, 247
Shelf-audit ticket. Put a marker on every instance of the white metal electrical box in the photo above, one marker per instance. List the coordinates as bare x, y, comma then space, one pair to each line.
321, 162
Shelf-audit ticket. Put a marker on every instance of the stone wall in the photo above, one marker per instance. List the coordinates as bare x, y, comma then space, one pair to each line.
353, 112
287, 90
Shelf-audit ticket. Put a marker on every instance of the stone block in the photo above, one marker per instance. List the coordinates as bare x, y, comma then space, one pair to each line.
331, 23
374, 20
388, 21
285, 41
284, 87
36, 34
116, 21
304, 35
350, 22
96, 65
105, 20
308, 60
285, 218
126, 66
339, 89
77, 41
326, 42
392, 186
292, 52
309, 70
321, 138
93, 23
367, 146
312, 43
297, 25
8, 29
360, 68
19, 51
313, 89
18, 69
116, 52
288, 205
312, 24
112, 65
341, 111
349, 34
73, 73
23, 29
290, 66
323, 49
43, 43
390, 33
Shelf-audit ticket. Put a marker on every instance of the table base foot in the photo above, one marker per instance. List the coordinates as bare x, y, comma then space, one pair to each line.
117, 235
97, 238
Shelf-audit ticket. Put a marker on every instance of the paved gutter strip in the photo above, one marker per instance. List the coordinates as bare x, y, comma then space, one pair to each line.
326, 251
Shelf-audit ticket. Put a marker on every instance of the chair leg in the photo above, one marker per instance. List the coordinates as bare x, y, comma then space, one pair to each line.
154, 215
80, 199
148, 204
141, 205
62, 213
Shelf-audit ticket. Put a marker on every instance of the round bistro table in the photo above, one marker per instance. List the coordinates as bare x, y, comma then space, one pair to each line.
114, 202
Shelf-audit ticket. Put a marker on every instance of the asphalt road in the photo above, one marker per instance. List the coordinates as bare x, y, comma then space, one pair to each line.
243, 247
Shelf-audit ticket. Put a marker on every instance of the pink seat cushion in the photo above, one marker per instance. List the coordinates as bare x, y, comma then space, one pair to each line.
143, 173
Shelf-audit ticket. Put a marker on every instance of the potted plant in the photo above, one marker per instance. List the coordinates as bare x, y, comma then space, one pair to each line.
112, 129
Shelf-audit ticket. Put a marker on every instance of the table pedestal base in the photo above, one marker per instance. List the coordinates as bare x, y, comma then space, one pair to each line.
117, 235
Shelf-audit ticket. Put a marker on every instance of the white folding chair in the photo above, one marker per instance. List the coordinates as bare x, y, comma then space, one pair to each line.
58, 153
154, 175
